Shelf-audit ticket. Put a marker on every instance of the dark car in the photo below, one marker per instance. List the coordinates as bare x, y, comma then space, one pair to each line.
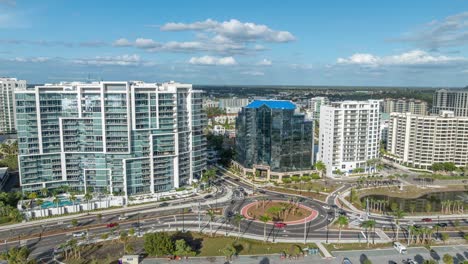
417, 226
426, 220
443, 225
135, 225
262, 191
230, 214
341, 212
111, 225
163, 204
208, 196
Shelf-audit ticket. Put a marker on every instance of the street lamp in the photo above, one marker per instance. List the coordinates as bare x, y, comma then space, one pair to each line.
327, 228
305, 228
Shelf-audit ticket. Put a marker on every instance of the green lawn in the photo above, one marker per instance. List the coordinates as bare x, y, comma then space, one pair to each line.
212, 246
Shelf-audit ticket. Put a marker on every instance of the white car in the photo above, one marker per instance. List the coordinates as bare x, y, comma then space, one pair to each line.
122, 217
79, 234
326, 207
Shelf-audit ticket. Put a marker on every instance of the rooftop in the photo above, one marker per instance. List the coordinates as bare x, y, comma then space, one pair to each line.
273, 104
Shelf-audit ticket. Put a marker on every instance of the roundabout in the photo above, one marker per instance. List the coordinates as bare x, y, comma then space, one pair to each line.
287, 212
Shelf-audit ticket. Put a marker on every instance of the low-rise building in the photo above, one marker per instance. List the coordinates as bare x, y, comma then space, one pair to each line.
420, 140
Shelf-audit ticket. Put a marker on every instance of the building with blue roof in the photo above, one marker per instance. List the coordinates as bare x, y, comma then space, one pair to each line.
272, 140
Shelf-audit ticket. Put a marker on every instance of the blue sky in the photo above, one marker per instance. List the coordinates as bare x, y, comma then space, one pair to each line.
401, 43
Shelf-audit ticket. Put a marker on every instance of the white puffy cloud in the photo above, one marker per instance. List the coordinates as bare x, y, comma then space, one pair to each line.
449, 32
414, 57
31, 59
210, 60
122, 42
122, 60
264, 62
253, 73
234, 30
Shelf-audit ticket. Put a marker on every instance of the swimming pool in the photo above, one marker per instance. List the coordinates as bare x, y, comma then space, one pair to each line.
63, 202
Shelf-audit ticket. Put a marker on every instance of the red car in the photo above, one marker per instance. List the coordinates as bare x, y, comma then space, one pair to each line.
426, 220
111, 225
280, 225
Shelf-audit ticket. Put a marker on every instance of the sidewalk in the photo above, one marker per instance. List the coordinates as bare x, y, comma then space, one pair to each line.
149, 207
324, 250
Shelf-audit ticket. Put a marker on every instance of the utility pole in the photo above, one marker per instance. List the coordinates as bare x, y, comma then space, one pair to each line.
305, 229
183, 220
199, 220
327, 228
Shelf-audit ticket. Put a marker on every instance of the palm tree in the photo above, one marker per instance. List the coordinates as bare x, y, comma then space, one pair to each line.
321, 167
237, 220
365, 224
88, 196
398, 215
265, 219
211, 216
33, 197
72, 198
124, 239
44, 192
342, 221
56, 201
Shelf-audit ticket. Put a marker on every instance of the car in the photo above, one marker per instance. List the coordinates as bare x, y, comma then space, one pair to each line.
346, 261
409, 261
280, 225
208, 196
123, 217
326, 207
426, 220
230, 214
236, 179
399, 247
442, 225
135, 225
262, 191
163, 204
79, 234
241, 189
417, 226
342, 212
111, 225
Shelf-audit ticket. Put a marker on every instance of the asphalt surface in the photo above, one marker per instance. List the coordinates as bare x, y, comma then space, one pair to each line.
42, 239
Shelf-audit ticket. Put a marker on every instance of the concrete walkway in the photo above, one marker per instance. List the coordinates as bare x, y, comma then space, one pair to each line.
324, 251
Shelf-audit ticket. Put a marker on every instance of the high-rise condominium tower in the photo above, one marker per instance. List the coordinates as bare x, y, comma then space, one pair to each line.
349, 135
7, 102
314, 105
420, 141
125, 137
404, 105
451, 100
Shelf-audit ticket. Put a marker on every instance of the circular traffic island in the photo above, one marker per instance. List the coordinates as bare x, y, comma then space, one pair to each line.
287, 212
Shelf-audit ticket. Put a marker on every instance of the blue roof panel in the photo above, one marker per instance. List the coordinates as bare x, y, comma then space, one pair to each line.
273, 104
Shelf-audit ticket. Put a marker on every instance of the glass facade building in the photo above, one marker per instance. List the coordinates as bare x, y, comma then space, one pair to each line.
271, 133
125, 137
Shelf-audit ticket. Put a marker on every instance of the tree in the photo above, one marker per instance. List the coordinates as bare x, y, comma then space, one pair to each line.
56, 201
445, 237
412, 207
430, 261
447, 259
398, 215
158, 244
74, 222
428, 207
123, 238
320, 167
131, 231
44, 192
237, 220
72, 198
265, 219
211, 217
99, 217
342, 222
88, 196
183, 249
33, 197
228, 251
394, 207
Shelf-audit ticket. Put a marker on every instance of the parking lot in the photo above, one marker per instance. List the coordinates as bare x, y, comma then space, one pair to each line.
418, 254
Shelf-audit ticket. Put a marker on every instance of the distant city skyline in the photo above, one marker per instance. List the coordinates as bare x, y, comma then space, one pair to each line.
359, 43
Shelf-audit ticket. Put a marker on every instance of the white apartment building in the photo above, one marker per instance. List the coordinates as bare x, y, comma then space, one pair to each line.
232, 105
7, 103
420, 140
403, 105
349, 135
314, 105
455, 100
